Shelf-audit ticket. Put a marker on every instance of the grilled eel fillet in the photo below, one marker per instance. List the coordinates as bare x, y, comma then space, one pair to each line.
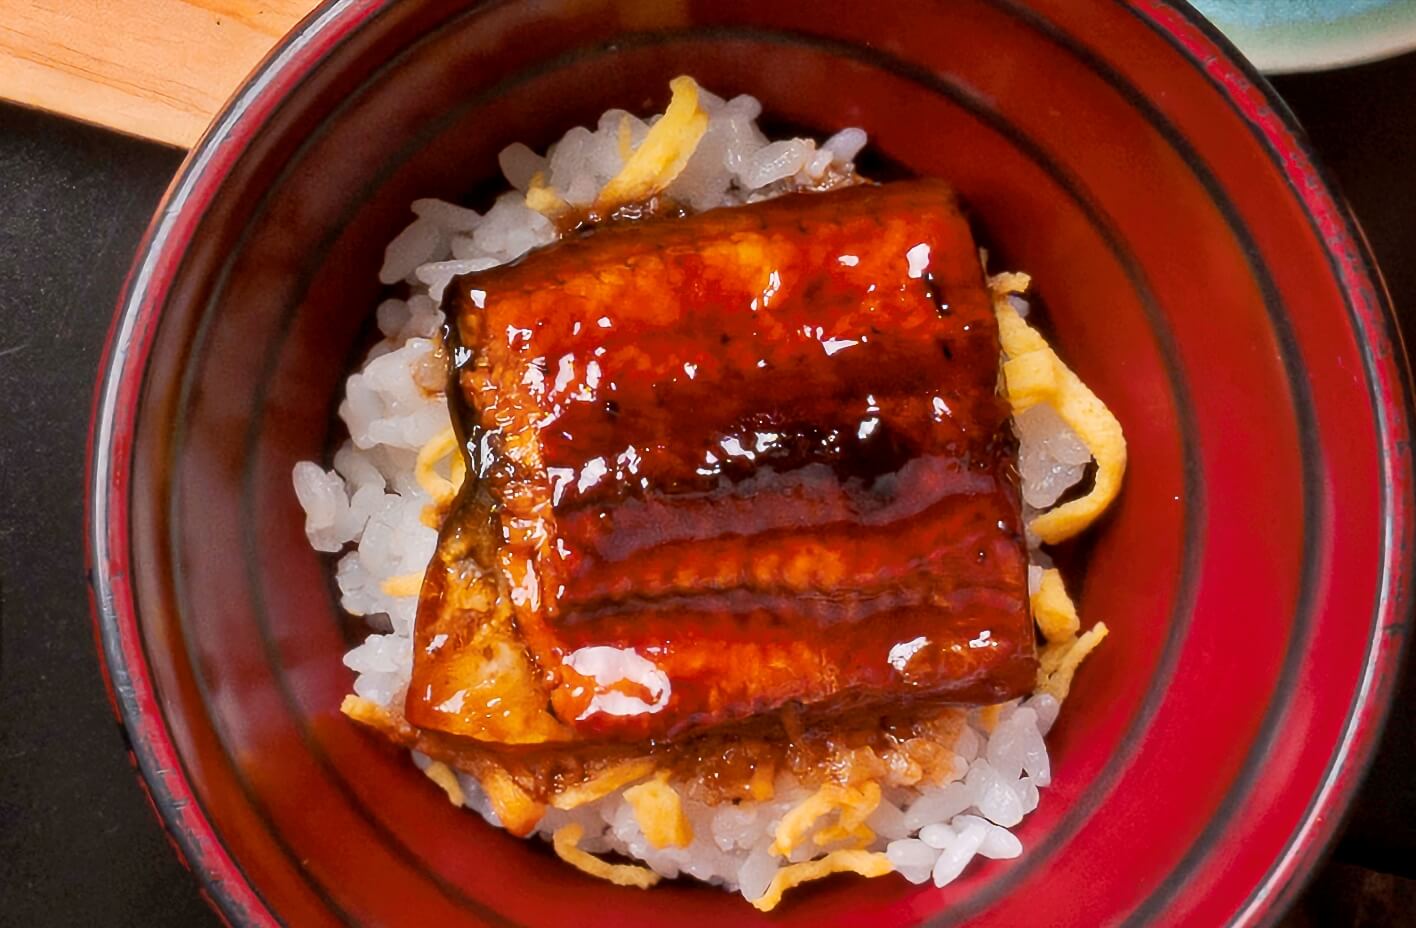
723, 464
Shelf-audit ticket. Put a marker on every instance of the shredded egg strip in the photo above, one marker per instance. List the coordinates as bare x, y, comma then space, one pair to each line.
443, 775
661, 157
866, 863
1053, 610
1032, 374
658, 810
566, 841
854, 803
1063, 658
402, 585
648, 169
543, 199
437, 449
604, 783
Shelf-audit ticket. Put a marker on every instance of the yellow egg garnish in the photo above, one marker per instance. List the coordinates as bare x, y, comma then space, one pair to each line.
1032, 374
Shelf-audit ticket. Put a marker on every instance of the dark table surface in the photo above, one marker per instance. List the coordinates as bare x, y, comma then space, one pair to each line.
78, 844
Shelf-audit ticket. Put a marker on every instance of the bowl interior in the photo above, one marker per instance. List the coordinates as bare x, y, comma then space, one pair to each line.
1182, 273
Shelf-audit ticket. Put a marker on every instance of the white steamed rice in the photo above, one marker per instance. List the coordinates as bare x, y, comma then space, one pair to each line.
371, 505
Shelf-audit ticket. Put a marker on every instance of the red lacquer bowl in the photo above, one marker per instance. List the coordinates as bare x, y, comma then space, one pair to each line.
1197, 270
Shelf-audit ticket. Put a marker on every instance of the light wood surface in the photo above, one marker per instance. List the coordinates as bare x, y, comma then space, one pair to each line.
155, 68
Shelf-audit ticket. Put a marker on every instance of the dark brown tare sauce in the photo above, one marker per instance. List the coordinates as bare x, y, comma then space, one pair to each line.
729, 463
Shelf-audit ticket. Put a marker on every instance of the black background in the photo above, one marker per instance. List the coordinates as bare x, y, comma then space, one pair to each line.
78, 845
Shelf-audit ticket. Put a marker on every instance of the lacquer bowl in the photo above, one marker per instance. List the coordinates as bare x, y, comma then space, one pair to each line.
1193, 262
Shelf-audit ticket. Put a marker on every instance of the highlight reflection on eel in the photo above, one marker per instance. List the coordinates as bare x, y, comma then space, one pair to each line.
724, 464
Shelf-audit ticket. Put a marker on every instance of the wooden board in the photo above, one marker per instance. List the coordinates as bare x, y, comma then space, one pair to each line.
155, 68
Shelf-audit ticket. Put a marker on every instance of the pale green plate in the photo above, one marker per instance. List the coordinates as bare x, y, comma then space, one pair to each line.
1310, 35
